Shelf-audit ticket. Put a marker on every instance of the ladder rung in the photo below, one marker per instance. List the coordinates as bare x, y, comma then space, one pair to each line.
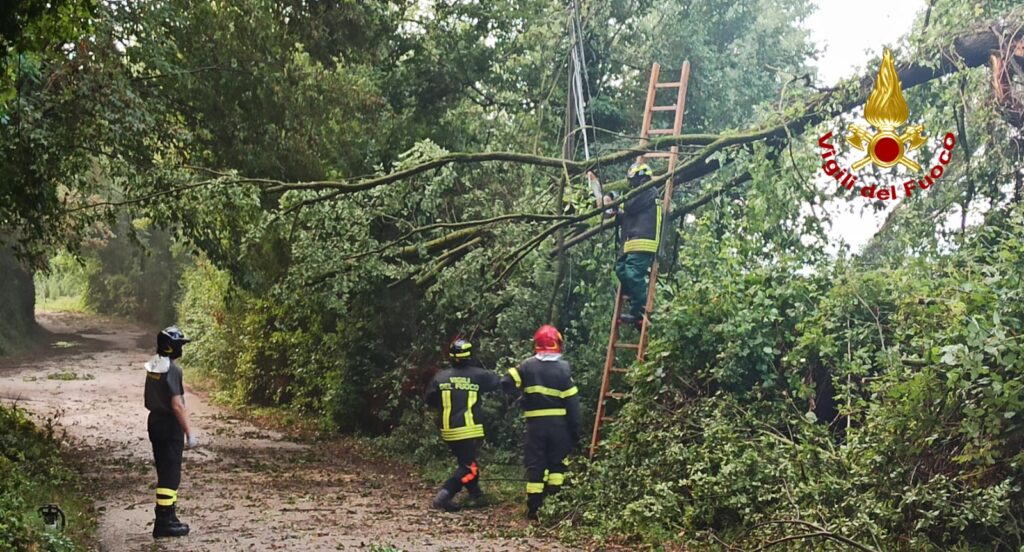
667, 85
661, 131
627, 345
664, 107
606, 419
619, 370
660, 154
614, 395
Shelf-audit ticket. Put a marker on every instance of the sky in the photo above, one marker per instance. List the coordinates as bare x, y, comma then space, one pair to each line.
851, 34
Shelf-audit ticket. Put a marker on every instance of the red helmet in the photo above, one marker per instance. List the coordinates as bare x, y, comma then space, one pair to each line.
547, 340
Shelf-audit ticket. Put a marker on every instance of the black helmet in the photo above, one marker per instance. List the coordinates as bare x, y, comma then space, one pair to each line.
169, 342
460, 350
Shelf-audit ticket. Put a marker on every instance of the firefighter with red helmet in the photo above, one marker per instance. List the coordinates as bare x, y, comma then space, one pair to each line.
552, 410
456, 392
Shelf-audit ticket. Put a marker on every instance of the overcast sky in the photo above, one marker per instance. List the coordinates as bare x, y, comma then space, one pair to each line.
851, 33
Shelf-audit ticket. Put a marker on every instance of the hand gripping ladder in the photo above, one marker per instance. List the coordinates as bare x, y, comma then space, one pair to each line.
610, 368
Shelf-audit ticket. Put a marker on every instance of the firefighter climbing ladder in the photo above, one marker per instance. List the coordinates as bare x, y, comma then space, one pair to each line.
600, 417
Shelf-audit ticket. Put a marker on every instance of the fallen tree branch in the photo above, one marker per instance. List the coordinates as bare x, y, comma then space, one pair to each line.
446, 260
437, 243
477, 223
817, 532
147, 197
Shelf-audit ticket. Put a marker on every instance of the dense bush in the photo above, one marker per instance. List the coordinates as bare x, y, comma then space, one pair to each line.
32, 474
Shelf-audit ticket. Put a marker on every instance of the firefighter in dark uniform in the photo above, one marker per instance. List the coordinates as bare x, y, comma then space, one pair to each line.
168, 426
552, 409
456, 392
640, 231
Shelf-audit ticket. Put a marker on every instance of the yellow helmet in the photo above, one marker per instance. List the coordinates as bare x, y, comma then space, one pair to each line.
639, 172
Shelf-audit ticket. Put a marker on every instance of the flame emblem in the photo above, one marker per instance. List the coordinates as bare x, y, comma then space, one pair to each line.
886, 110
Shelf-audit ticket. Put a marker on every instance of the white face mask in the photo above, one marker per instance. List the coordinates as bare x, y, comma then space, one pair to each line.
158, 365
546, 357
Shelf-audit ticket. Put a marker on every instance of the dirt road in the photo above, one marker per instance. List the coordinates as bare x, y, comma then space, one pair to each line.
249, 488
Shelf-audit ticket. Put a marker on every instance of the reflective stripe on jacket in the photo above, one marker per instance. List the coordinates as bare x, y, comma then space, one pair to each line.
456, 392
641, 223
548, 390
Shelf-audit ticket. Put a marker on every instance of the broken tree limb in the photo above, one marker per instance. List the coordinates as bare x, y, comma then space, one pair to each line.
573, 167
447, 259
412, 251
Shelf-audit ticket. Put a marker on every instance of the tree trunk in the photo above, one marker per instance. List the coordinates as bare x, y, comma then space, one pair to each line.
17, 304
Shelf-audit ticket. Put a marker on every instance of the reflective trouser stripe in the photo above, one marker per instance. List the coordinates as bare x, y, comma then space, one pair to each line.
556, 479
166, 497
545, 412
534, 488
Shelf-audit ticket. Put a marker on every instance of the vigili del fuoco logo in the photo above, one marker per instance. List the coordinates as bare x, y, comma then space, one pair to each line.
888, 145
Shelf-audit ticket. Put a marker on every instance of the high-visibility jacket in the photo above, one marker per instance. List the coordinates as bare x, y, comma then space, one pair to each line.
456, 391
548, 391
641, 223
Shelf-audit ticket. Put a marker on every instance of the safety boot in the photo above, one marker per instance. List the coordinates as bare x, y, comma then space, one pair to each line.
175, 520
476, 500
533, 503
443, 501
164, 525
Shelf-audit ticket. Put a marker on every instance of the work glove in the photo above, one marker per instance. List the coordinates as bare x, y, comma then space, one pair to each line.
191, 441
610, 211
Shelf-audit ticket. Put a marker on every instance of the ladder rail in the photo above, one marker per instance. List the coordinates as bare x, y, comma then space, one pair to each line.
679, 107
666, 208
606, 375
652, 92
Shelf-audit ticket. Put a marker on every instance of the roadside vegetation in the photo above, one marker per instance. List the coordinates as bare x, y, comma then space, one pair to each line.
33, 474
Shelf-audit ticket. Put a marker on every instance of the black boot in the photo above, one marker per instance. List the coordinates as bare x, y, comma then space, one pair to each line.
175, 520
476, 499
443, 501
164, 526
533, 503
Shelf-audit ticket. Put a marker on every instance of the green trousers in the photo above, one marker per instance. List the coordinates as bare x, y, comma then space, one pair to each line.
632, 270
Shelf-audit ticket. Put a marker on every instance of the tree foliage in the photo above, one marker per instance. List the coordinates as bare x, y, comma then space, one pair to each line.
357, 182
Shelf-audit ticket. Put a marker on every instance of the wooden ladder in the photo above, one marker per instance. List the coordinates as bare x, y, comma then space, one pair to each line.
600, 416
